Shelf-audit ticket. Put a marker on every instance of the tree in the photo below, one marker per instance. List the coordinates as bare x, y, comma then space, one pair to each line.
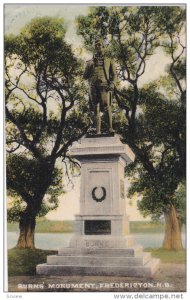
45, 114
23, 175
151, 117
164, 119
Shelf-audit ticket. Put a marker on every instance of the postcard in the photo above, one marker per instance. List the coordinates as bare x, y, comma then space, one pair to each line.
95, 126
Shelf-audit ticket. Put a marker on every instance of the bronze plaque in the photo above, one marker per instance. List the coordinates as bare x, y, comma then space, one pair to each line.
97, 227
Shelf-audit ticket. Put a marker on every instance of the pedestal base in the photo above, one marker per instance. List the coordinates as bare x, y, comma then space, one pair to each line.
100, 256
101, 246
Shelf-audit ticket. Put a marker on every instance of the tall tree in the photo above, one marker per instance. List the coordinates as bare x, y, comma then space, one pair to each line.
23, 175
45, 113
152, 117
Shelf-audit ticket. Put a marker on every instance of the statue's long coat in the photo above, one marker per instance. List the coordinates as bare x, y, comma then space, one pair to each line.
110, 75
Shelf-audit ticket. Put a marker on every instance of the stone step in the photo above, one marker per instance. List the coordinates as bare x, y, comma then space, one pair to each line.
131, 271
130, 252
98, 260
154, 263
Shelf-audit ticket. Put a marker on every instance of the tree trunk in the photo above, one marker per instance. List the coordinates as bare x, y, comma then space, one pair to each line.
172, 239
27, 222
27, 225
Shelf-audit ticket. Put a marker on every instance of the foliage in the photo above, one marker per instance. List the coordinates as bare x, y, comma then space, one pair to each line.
149, 117
180, 199
152, 117
22, 262
23, 176
46, 112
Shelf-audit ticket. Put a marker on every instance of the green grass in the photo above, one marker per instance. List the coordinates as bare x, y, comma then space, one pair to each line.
24, 261
166, 256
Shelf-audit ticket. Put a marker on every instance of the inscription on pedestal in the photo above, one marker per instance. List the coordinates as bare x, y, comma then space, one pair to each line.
98, 244
97, 227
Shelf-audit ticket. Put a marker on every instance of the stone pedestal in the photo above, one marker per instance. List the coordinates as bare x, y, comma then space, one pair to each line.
102, 244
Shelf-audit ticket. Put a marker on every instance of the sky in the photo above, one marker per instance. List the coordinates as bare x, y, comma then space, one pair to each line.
15, 18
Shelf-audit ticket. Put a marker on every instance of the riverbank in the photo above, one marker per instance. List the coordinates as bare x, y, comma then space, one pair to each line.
53, 241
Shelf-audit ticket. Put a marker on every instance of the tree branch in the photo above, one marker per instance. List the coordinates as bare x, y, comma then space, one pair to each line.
65, 147
14, 149
27, 143
123, 60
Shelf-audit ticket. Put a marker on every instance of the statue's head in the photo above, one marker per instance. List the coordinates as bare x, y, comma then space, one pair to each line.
99, 48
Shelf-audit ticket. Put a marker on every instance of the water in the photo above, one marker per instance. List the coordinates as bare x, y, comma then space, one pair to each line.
153, 240
54, 241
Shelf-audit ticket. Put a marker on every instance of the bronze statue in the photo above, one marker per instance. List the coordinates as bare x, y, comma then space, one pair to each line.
101, 75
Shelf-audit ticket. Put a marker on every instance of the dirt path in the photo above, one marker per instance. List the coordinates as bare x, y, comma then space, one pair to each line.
169, 278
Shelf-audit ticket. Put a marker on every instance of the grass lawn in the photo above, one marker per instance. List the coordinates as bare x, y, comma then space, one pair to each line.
166, 256
23, 261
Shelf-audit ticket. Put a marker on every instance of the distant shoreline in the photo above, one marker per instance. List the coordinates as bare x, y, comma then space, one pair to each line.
68, 226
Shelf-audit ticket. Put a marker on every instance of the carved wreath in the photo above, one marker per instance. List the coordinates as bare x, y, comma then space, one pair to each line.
100, 199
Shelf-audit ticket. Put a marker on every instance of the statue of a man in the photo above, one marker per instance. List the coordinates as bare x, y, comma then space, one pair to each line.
101, 75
